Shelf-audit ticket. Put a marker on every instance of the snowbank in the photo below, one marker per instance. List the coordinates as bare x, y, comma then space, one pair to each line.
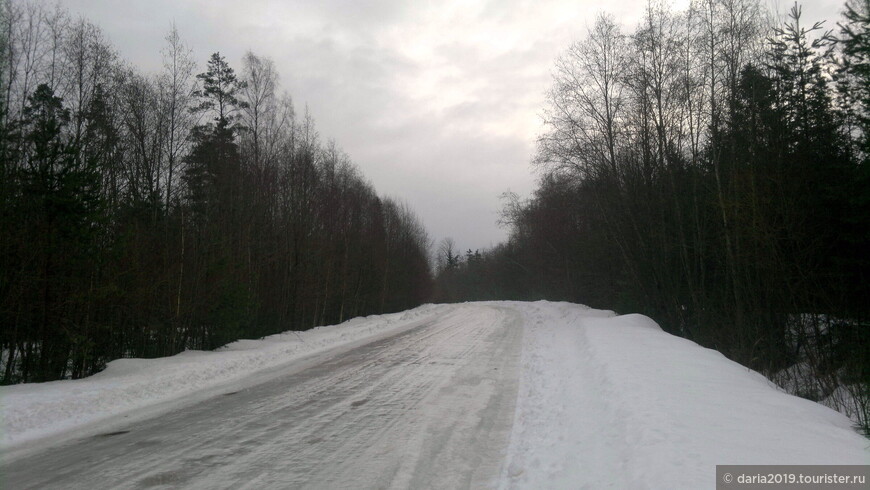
34, 411
612, 401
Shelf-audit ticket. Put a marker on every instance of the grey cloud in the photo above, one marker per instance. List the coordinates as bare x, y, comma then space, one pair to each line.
345, 59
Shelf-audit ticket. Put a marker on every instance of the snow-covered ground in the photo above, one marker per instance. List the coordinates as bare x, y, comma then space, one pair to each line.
613, 401
431, 405
138, 388
601, 401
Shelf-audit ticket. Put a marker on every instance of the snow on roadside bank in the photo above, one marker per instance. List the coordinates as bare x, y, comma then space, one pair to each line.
34, 411
610, 401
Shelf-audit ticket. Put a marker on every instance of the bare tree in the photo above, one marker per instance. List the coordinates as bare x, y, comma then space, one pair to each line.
259, 93
587, 103
177, 85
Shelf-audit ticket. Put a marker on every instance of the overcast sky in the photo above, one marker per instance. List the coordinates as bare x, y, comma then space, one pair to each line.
437, 102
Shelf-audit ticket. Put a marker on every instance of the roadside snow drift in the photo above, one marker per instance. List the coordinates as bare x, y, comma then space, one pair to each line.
612, 401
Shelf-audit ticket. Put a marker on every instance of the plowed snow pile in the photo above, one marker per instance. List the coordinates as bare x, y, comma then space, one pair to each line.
612, 401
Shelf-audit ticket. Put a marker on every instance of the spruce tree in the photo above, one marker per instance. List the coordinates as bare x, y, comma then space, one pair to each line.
61, 199
855, 38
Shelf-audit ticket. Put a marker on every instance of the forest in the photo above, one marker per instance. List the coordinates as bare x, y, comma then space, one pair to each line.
709, 168
143, 214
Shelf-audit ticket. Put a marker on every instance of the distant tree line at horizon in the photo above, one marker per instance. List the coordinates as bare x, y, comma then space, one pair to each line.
710, 169
142, 215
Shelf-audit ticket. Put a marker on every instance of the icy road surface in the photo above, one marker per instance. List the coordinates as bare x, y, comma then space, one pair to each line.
396, 412
505, 395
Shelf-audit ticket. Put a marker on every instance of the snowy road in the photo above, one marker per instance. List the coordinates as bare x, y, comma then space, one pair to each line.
506, 395
395, 412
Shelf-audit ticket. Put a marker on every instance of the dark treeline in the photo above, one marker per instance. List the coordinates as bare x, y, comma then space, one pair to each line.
712, 172
142, 215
